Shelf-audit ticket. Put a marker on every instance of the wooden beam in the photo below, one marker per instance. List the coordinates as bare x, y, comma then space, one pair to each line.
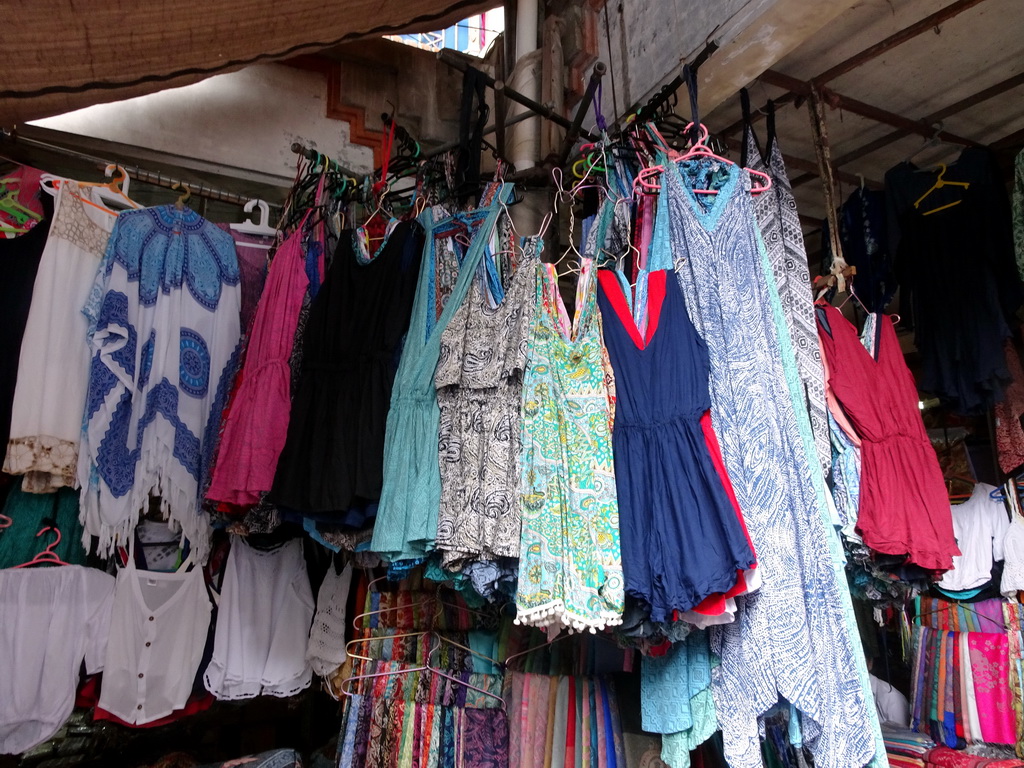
809, 167
1015, 139
955, 108
861, 108
898, 38
895, 39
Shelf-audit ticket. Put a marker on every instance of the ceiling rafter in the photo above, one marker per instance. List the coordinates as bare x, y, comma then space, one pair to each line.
848, 65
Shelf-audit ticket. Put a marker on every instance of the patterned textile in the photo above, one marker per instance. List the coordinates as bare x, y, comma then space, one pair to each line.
53, 367
676, 698
406, 525
1008, 413
1018, 211
990, 668
479, 381
570, 570
792, 637
784, 240
483, 738
165, 326
1015, 647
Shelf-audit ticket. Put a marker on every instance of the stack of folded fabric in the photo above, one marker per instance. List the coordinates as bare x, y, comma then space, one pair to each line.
905, 748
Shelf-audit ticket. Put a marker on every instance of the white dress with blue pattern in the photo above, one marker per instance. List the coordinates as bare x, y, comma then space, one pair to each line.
164, 327
791, 638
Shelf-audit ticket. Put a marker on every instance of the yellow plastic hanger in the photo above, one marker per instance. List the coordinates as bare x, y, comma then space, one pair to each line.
941, 182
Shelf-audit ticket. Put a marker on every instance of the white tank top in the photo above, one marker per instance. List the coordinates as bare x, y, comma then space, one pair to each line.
158, 631
263, 619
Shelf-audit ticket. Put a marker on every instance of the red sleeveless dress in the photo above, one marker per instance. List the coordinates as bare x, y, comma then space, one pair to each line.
904, 508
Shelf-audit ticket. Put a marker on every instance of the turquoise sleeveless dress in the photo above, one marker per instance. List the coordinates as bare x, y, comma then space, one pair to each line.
411, 496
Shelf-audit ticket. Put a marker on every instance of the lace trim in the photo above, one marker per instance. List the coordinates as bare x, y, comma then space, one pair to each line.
555, 613
48, 463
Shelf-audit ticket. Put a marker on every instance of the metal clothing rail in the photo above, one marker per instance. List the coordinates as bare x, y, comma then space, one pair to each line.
155, 178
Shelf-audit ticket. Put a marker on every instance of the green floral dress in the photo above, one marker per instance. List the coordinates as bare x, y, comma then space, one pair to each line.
570, 569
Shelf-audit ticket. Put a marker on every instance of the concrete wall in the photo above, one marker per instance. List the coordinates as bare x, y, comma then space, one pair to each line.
650, 38
247, 119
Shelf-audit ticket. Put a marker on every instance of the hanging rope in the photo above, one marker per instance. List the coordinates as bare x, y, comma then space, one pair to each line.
819, 129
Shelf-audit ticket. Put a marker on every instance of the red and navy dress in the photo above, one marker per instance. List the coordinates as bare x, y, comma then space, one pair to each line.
683, 540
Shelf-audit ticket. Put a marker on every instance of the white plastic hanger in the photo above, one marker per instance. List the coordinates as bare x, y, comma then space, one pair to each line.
259, 229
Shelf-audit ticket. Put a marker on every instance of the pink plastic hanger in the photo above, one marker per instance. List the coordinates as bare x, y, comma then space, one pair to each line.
5, 522
699, 149
47, 555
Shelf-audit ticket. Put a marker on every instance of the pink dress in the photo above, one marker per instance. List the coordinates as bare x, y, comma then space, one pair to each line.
257, 423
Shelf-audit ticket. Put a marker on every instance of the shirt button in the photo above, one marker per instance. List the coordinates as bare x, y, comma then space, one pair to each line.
139, 707
140, 675
148, 644
151, 618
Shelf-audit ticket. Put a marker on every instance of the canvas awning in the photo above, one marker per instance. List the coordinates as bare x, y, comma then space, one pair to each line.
63, 55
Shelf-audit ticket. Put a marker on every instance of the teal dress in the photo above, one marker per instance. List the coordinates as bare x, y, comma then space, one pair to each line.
406, 522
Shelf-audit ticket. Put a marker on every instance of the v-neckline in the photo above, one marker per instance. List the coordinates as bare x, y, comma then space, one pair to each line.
179, 575
580, 321
655, 305
710, 218
875, 358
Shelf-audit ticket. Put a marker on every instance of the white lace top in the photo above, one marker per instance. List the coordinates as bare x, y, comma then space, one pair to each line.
326, 651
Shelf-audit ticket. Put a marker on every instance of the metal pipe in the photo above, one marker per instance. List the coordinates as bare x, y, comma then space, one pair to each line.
134, 172
581, 112
544, 111
486, 132
314, 156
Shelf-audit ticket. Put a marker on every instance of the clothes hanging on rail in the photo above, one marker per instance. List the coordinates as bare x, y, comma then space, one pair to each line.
332, 462
963, 308
783, 238
256, 425
53, 368
164, 326
479, 381
790, 638
904, 508
406, 523
20, 257
570, 566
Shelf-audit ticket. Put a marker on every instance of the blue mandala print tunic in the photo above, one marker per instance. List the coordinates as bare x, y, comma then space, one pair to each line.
164, 327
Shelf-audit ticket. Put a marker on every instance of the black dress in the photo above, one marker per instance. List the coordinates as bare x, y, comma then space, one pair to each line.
332, 463
19, 262
958, 276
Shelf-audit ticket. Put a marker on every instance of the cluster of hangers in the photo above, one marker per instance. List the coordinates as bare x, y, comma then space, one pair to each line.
114, 196
13, 210
436, 639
